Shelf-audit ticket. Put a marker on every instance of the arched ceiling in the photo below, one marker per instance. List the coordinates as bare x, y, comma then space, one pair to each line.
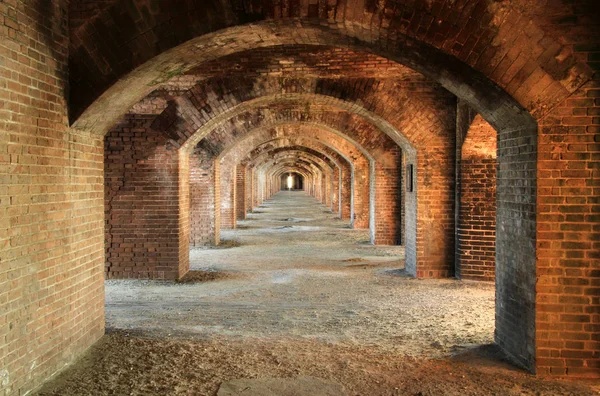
477, 49
266, 139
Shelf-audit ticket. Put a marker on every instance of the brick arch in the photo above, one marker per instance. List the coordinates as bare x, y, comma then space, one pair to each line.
344, 147
342, 198
271, 153
516, 248
517, 200
217, 105
314, 180
284, 170
219, 146
289, 164
327, 166
362, 178
435, 49
432, 257
377, 178
295, 159
292, 170
263, 163
372, 142
244, 155
355, 206
191, 118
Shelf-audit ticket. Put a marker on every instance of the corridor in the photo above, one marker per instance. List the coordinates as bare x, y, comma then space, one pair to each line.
293, 292
292, 269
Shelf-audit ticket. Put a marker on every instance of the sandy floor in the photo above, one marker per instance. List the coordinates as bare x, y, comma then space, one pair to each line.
294, 292
297, 271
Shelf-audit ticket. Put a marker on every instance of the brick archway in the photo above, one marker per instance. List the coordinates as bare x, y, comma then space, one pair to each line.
538, 53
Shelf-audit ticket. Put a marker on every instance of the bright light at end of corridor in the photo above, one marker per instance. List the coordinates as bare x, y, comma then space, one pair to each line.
290, 182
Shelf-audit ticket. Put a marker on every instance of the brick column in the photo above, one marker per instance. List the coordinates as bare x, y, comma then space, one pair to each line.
204, 198
387, 202
240, 207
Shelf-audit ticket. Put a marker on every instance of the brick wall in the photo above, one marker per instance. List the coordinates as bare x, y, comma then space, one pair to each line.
241, 203
51, 200
51, 245
568, 234
335, 189
388, 202
81, 11
141, 202
476, 236
205, 210
228, 196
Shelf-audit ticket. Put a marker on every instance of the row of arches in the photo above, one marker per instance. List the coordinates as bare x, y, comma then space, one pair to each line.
156, 79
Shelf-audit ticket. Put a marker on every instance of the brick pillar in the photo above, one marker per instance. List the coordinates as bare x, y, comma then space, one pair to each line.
568, 236
141, 203
435, 222
249, 179
387, 201
204, 198
227, 202
361, 194
240, 207
335, 190
346, 196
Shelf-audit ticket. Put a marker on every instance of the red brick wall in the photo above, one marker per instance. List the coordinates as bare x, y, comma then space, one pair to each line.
476, 244
568, 235
241, 200
335, 189
228, 197
347, 175
249, 178
141, 202
388, 202
205, 210
51, 244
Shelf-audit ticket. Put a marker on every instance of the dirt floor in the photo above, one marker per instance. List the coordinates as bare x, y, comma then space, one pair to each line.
294, 292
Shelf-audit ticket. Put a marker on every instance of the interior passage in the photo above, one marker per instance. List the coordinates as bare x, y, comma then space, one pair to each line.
293, 269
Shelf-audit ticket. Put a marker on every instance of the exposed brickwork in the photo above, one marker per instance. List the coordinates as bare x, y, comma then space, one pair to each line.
228, 197
141, 205
538, 53
515, 243
530, 63
241, 201
418, 119
51, 198
387, 202
476, 237
80, 11
568, 235
320, 140
204, 208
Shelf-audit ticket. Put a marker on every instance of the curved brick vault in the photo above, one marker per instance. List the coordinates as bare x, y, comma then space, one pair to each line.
425, 78
431, 32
